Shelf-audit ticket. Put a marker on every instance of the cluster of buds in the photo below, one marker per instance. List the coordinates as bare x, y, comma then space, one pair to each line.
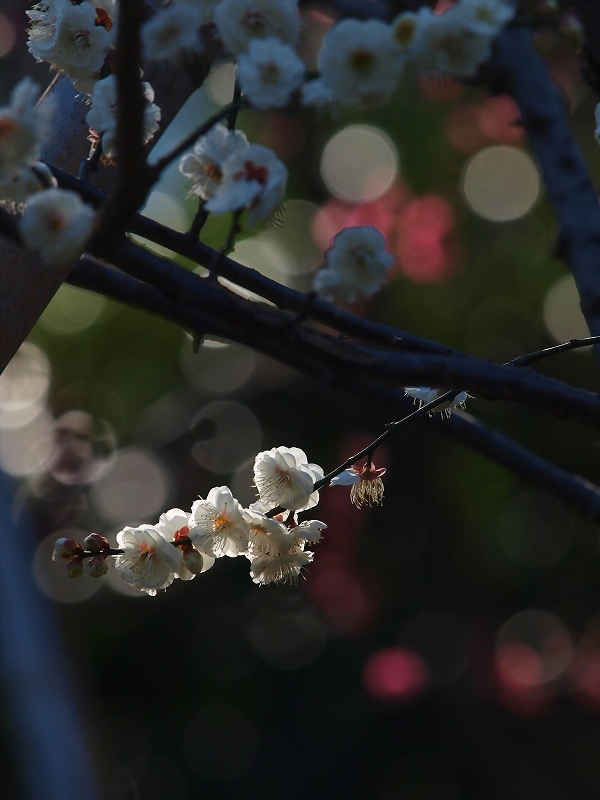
94, 547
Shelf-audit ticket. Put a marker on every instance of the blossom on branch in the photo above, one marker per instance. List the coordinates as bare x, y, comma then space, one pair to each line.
367, 486
102, 118
149, 562
22, 126
239, 22
269, 72
253, 178
360, 61
174, 525
56, 224
204, 167
172, 30
284, 478
281, 567
356, 265
425, 394
219, 525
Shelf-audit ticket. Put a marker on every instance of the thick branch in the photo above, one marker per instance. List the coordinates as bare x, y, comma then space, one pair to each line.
204, 304
572, 489
519, 71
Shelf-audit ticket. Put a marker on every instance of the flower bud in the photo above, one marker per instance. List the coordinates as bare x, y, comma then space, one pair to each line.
193, 561
75, 567
65, 549
95, 543
97, 566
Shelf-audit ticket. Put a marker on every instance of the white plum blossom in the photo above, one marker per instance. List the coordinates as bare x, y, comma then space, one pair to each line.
253, 178
149, 562
269, 72
204, 167
56, 224
284, 478
403, 30
172, 30
22, 126
102, 118
309, 531
425, 394
356, 264
74, 39
176, 524
266, 536
17, 189
360, 61
282, 567
443, 43
239, 22
219, 525
487, 17
366, 483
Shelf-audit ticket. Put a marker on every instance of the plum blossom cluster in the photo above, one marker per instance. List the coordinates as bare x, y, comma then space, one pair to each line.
55, 222
362, 61
183, 544
230, 174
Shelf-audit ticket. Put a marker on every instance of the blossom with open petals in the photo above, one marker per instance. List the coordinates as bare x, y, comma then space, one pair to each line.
239, 22
360, 61
219, 525
282, 567
425, 394
56, 224
356, 264
486, 17
367, 486
266, 536
174, 525
22, 126
149, 562
102, 118
204, 167
443, 43
284, 478
253, 178
269, 72
172, 30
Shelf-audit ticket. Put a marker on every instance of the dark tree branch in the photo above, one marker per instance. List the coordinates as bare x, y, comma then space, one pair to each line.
572, 489
519, 71
317, 353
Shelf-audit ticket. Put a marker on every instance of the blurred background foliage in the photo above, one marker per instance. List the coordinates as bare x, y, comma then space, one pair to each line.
441, 647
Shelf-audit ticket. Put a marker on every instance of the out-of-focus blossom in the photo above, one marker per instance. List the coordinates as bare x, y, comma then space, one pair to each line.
204, 167
172, 30
284, 478
149, 562
597, 131
56, 224
219, 525
17, 189
486, 17
253, 178
22, 126
360, 61
102, 118
443, 43
356, 265
269, 72
367, 486
239, 22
